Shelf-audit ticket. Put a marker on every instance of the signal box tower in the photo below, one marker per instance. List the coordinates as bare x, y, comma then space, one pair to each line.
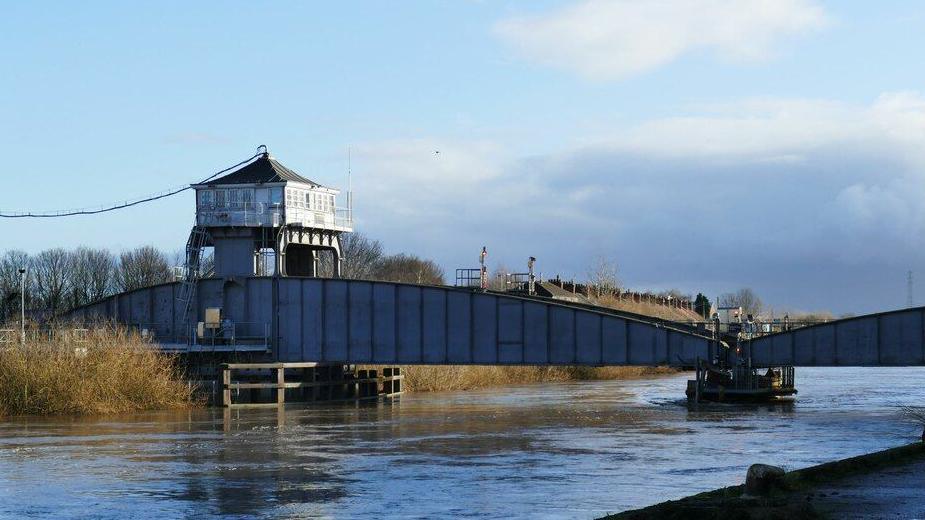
260, 213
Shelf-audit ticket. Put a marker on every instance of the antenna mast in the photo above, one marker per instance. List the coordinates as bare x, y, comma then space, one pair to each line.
349, 188
910, 297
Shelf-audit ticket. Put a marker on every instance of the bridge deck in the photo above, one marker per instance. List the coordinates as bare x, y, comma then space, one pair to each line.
355, 321
895, 338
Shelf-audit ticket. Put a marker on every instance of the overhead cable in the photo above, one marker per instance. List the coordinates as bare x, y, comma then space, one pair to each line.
127, 204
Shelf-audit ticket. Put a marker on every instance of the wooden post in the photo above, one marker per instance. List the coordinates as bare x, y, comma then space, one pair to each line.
281, 385
226, 386
697, 387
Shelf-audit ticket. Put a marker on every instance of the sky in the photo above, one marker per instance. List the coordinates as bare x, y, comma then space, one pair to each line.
702, 145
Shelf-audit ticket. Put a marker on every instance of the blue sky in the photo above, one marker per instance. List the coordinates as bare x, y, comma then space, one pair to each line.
702, 144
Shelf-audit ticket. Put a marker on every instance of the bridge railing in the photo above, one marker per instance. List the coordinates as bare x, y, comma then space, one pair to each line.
755, 329
469, 278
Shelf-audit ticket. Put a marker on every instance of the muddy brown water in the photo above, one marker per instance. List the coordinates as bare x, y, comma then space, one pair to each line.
563, 450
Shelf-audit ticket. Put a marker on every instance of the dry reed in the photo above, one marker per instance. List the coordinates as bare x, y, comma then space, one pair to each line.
648, 309
109, 371
441, 378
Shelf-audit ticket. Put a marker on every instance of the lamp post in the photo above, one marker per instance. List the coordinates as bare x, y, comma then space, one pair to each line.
22, 305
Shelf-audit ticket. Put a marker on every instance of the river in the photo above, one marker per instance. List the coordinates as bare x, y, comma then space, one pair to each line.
563, 450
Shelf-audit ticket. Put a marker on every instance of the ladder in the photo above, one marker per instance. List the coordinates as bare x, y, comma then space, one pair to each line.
194, 245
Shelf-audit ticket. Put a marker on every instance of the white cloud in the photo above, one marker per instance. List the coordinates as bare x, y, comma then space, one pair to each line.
803, 199
615, 39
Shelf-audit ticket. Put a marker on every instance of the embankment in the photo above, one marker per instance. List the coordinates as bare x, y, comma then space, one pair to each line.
108, 371
439, 378
877, 485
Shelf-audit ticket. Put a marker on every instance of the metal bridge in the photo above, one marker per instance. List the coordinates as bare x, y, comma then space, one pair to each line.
895, 338
293, 319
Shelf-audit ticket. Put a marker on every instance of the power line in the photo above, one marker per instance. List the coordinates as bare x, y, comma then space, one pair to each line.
127, 204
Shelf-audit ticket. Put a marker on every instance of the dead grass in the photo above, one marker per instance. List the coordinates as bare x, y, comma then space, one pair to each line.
648, 309
442, 378
111, 372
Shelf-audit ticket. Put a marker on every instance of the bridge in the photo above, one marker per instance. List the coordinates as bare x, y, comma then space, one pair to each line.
293, 319
264, 213
895, 338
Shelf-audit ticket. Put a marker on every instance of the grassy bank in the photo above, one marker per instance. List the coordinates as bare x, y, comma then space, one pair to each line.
423, 378
109, 371
648, 309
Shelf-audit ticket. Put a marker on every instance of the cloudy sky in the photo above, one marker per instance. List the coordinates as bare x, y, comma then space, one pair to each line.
703, 145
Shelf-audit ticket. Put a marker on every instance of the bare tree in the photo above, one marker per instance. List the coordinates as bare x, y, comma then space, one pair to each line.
52, 278
409, 269
10, 283
604, 275
142, 267
360, 256
745, 298
497, 281
92, 275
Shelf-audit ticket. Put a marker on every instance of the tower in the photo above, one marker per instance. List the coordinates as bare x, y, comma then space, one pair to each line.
265, 210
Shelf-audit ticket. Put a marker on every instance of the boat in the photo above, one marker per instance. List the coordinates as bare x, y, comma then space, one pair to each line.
741, 382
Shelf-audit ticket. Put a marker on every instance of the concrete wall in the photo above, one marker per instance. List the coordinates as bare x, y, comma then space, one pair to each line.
892, 338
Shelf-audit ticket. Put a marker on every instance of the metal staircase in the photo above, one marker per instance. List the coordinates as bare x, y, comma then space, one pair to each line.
194, 245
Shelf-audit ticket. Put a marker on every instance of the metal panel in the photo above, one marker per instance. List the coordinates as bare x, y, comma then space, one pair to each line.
138, 308
360, 308
561, 335
459, 328
614, 339
162, 312
510, 331
536, 345
901, 338
857, 342
336, 326
410, 337
588, 338
290, 300
311, 318
484, 329
661, 348
824, 338
435, 326
642, 339
782, 349
692, 348
384, 319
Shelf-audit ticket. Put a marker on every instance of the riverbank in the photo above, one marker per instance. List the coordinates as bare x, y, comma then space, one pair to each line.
883, 484
101, 372
455, 378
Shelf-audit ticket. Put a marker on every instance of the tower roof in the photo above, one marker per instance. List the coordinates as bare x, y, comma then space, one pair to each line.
263, 169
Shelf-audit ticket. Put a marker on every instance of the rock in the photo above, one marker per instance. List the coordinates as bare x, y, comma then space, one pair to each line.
762, 478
